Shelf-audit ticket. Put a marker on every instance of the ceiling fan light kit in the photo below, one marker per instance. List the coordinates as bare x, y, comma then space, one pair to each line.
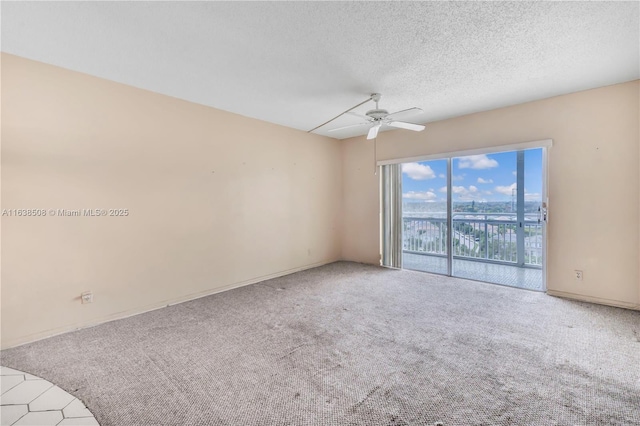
378, 117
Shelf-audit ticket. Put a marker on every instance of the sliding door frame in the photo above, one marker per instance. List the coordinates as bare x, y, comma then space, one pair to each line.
544, 218
544, 144
449, 217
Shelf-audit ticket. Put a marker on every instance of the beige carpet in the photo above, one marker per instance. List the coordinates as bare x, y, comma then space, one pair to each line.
349, 344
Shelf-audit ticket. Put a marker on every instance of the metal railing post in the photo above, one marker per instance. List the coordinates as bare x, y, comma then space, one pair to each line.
486, 240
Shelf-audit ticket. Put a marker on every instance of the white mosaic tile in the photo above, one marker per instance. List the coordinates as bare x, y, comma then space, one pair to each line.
76, 409
9, 414
42, 418
30, 400
53, 399
8, 382
25, 392
6, 371
84, 421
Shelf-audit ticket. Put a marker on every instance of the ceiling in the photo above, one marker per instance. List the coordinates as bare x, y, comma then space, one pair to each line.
299, 64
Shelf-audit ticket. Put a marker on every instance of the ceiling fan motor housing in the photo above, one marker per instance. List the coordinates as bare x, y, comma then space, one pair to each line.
377, 114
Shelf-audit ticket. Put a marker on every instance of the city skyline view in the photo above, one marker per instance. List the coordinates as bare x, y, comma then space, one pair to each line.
476, 178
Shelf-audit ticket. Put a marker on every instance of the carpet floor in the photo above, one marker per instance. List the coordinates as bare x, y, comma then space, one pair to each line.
351, 344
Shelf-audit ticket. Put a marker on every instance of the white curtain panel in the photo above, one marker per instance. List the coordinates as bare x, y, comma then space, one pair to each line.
391, 187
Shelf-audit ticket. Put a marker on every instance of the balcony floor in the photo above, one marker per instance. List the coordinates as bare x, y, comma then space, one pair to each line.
513, 276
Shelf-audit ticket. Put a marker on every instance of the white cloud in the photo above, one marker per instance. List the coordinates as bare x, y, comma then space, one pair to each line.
506, 190
454, 177
465, 194
514, 173
480, 180
477, 162
487, 192
422, 196
417, 171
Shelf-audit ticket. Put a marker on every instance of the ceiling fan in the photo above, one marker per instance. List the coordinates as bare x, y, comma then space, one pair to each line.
377, 117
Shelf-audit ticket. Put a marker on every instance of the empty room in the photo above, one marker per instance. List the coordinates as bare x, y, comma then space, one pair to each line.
320, 213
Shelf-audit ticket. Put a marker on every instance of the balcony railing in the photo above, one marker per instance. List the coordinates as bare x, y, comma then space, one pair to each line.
485, 237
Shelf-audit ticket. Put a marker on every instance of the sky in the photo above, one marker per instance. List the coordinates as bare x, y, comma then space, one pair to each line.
482, 178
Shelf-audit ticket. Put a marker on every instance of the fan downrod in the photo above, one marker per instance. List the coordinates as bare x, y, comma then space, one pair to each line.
377, 113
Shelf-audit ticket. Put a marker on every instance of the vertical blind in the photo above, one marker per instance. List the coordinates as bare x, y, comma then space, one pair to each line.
391, 185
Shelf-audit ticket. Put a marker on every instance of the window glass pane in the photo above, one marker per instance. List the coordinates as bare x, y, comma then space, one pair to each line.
424, 215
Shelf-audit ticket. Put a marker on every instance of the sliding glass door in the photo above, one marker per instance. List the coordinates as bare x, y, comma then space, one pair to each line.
479, 217
497, 226
425, 241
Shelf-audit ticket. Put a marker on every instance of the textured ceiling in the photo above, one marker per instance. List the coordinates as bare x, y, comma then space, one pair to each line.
300, 63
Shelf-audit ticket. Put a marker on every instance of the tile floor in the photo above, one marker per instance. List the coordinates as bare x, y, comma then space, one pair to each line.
30, 400
513, 276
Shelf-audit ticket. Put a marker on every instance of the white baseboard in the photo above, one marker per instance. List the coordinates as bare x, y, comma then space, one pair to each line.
591, 299
132, 312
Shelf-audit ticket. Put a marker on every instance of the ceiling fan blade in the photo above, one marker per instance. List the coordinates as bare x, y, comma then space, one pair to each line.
373, 132
408, 126
404, 114
358, 115
346, 127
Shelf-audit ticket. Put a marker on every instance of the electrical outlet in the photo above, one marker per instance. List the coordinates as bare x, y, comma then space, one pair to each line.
578, 275
86, 297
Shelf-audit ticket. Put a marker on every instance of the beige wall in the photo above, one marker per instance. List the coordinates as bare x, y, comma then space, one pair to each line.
215, 199
594, 183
